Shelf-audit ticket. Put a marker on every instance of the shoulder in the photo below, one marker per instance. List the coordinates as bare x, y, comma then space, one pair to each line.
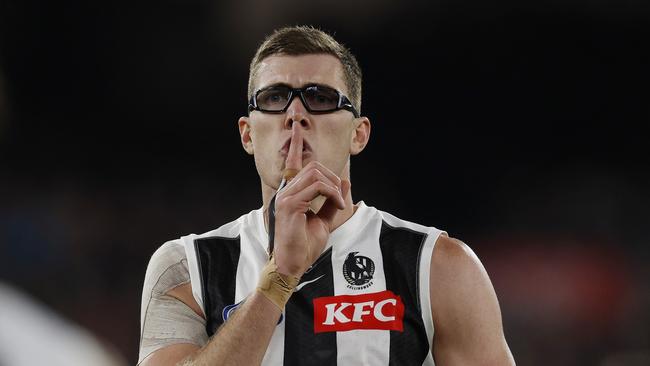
461, 292
169, 253
167, 268
452, 254
455, 267
458, 283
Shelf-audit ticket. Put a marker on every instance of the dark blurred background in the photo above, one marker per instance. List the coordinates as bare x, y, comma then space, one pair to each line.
519, 128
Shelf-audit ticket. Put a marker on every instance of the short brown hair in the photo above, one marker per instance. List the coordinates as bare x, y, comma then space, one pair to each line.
304, 40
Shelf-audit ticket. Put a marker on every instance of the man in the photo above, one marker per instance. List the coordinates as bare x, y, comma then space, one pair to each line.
312, 278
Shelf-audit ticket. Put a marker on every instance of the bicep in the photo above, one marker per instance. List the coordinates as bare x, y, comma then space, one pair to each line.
465, 309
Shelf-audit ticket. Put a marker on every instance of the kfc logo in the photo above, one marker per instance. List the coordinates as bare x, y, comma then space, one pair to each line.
379, 310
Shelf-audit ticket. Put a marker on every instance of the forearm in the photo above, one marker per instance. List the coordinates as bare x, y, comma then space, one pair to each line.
244, 338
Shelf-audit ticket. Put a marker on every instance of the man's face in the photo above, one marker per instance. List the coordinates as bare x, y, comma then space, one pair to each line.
328, 138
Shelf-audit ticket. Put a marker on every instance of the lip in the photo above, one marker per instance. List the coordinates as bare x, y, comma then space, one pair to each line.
306, 149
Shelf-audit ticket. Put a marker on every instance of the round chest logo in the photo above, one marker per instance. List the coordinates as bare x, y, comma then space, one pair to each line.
358, 271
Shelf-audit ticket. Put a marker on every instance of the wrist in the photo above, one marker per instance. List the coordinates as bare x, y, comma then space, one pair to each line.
293, 271
287, 261
275, 285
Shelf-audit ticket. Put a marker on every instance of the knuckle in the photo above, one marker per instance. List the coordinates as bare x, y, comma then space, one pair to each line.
337, 180
321, 185
324, 187
281, 201
316, 175
309, 167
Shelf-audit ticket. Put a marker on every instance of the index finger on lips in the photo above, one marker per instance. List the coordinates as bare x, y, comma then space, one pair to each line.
293, 164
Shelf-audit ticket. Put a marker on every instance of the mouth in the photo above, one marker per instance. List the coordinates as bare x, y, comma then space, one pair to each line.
306, 149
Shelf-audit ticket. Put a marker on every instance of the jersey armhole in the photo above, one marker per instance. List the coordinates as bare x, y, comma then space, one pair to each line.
193, 267
424, 277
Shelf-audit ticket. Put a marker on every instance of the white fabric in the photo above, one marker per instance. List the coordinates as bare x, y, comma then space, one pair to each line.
360, 234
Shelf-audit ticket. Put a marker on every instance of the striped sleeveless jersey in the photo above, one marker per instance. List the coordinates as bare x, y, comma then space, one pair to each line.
365, 301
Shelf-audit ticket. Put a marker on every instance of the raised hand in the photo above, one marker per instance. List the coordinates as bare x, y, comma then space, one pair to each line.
301, 234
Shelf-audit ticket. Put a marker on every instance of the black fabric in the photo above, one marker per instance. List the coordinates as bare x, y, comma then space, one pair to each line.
217, 258
401, 249
302, 346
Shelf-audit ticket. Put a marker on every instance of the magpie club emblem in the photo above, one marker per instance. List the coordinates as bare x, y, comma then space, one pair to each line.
358, 271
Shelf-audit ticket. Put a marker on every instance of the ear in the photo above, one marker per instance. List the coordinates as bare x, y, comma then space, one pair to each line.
245, 134
360, 135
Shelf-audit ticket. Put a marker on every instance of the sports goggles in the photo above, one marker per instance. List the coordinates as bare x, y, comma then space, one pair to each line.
315, 98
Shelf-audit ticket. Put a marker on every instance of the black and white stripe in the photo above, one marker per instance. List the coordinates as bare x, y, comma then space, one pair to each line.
302, 345
225, 265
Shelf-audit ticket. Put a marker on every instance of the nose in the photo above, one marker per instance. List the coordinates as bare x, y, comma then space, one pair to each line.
296, 112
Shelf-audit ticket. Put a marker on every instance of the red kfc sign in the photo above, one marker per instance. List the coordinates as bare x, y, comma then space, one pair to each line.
379, 310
